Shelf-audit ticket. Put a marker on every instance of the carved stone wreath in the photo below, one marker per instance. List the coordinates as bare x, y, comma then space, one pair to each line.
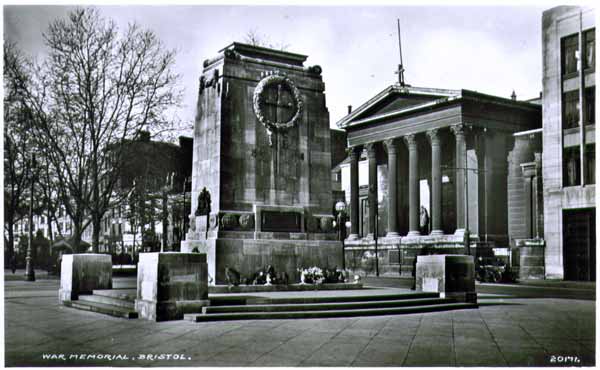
259, 100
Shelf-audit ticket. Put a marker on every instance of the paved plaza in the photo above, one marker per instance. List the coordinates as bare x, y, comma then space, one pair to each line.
502, 332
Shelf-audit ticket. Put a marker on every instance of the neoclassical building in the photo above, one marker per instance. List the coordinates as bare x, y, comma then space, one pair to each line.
437, 152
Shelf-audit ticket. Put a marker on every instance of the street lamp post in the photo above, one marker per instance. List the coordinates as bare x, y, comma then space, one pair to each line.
340, 208
183, 213
29, 271
165, 211
375, 237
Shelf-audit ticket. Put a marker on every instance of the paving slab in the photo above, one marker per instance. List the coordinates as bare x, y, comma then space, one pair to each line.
506, 332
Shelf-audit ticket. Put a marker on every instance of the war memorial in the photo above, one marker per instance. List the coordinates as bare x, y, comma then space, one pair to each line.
262, 208
262, 150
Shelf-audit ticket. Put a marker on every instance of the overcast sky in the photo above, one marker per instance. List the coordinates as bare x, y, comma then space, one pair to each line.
491, 49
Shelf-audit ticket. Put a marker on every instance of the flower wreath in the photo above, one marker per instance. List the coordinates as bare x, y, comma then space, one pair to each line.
258, 96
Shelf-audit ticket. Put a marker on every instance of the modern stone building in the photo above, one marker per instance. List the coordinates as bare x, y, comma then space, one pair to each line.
443, 152
568, 160
262, 149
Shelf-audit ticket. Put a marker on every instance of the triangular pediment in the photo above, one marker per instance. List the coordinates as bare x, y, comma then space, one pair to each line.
396, 99
395, 102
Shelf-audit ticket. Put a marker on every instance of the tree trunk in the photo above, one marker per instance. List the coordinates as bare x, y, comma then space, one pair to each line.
133, 246
11, 239
49, 225
96, 226
76, 238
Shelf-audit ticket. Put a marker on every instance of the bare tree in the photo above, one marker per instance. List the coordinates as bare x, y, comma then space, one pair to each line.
254, 38
105, 89
96, 91
17, 138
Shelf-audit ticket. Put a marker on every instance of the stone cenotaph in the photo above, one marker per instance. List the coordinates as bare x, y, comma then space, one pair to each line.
262, 151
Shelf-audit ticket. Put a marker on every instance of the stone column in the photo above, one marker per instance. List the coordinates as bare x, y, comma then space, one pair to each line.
392, 149
354, 209
413, 185
538, 200
528, 172
372, 155
436, 182
460, 164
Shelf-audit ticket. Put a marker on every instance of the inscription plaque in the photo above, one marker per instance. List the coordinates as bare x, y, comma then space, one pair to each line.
280, 221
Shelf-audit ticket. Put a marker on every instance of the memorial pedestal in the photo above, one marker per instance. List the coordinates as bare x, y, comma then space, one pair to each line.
171, 284
82, 273
531, 258
453, 276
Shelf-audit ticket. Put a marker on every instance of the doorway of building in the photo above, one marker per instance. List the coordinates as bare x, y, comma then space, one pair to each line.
579, 244
364, 217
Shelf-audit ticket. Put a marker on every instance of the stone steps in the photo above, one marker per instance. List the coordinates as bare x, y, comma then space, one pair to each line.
323, 306
103, 308
119, 301
337, 299
121, 294
328, 313
215, 289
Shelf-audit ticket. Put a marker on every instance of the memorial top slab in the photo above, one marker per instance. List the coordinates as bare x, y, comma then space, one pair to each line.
266, 53
445, 258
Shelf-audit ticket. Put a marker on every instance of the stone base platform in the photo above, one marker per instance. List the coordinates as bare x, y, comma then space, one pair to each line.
82, 273
531, 254
396, 255
170, 284
250, 255
282, 288
453, 276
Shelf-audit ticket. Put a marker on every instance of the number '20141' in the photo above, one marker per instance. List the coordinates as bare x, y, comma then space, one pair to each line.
564, 359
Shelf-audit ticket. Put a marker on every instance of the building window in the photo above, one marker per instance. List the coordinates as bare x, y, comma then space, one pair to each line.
571, 167
569, 54
590, 158
570, 109
590, 105
590, 48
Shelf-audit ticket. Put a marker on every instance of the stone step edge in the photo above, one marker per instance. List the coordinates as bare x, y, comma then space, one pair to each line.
326, 314
242, 288
335, 299
102, 299
210, 310
102, 308
116, 293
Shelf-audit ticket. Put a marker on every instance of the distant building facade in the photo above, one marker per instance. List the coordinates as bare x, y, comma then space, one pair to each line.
148, 163
568, 160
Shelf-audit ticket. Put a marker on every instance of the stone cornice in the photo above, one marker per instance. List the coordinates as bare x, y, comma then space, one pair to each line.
266, 53
393, 89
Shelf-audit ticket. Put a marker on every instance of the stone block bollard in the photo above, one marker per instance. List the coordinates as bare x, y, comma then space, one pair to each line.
82, 273
171, 284
531, 258
453, 276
